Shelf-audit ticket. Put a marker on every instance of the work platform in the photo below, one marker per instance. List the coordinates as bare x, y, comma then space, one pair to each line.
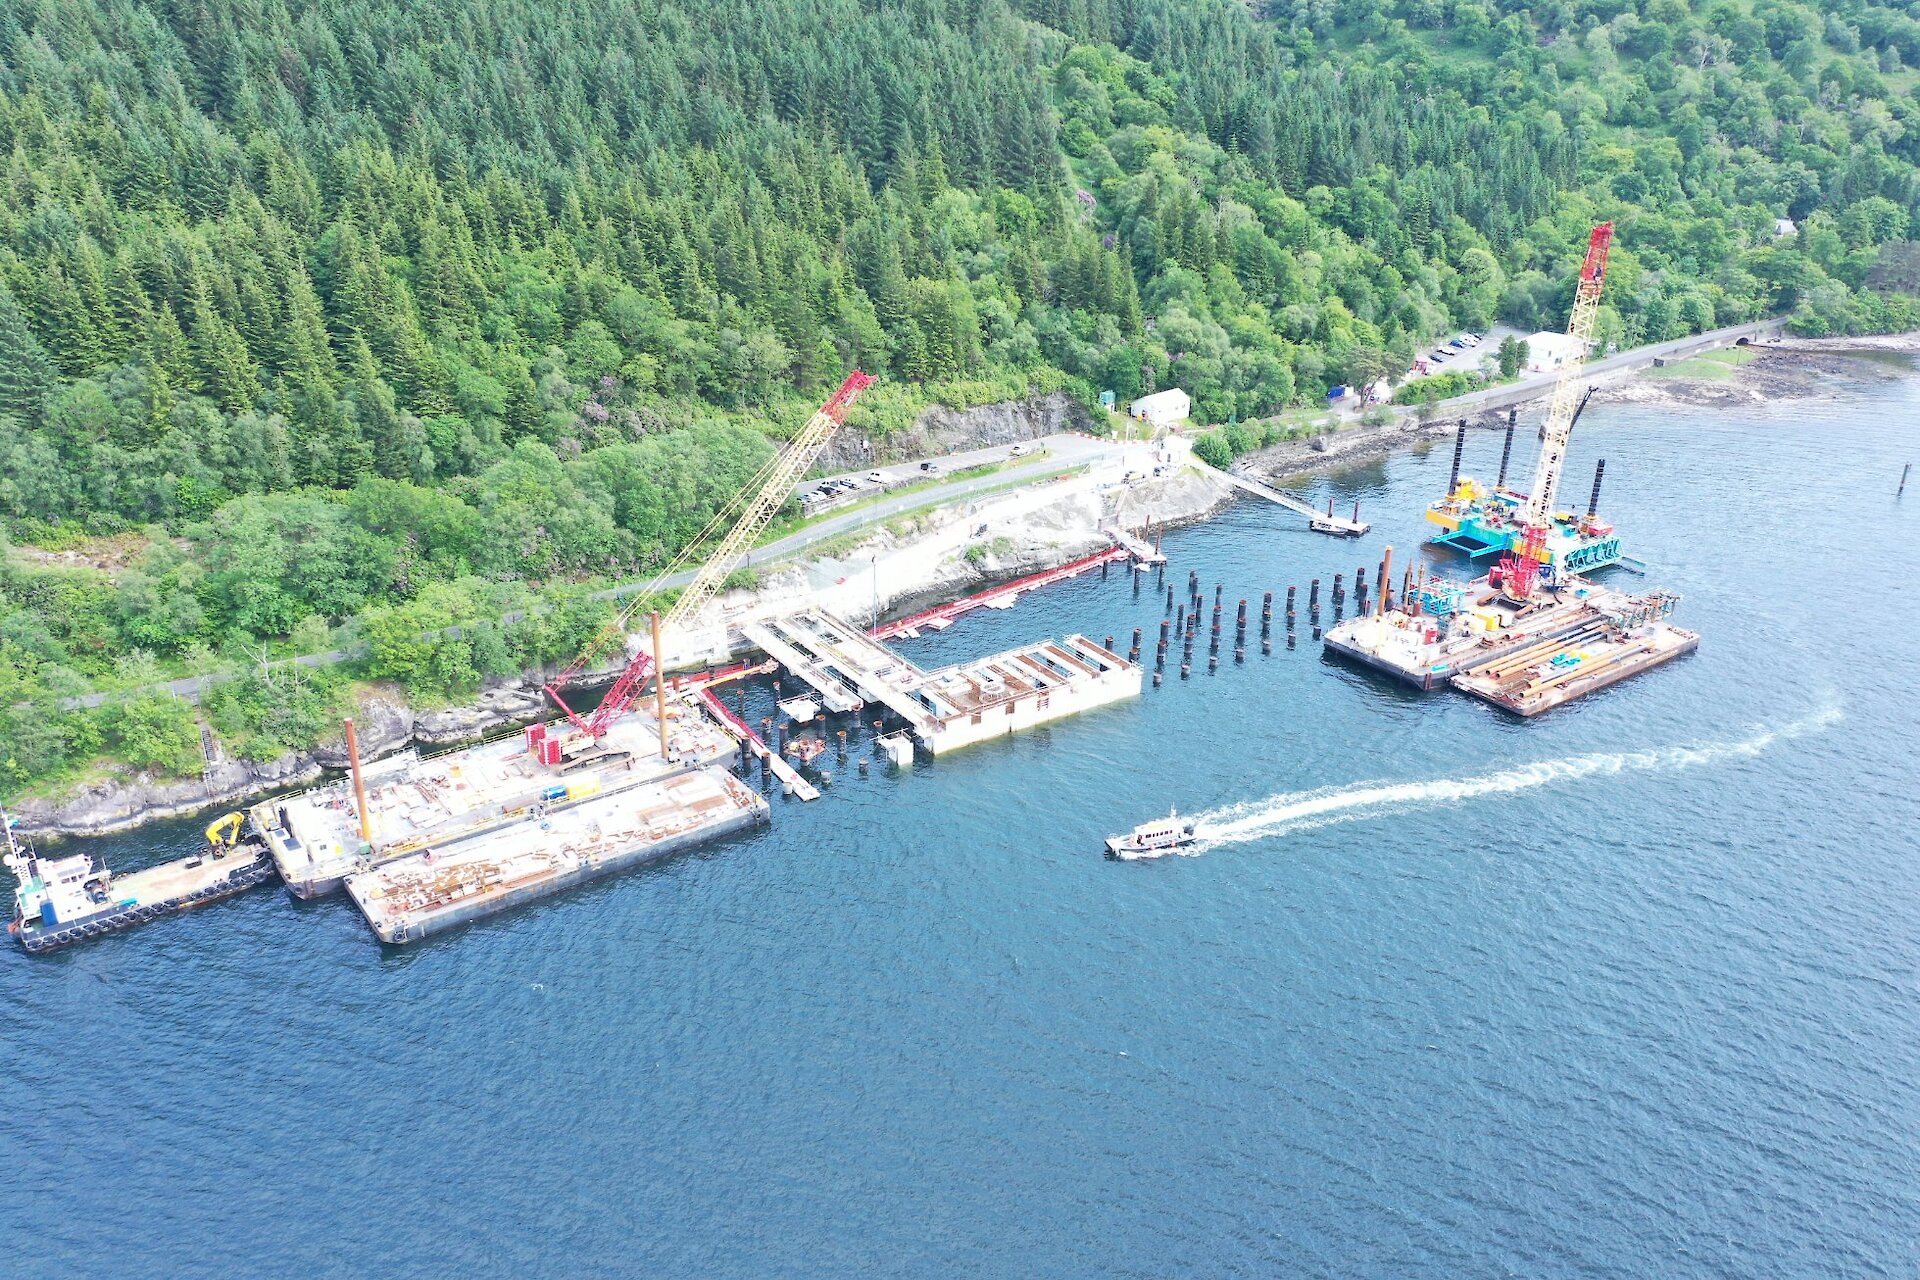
432, 890
415, 800
953, 706
1522, 658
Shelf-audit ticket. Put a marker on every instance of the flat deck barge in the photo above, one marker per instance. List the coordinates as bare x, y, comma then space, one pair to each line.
1544, 676
60, 901
1427, 650
1522, 658
444, 887
414, 801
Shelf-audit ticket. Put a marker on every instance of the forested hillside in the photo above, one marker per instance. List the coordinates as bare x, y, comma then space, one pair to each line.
362, 313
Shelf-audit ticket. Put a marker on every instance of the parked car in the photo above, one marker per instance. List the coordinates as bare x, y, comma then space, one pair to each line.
876, 477
1018, 451
930, 466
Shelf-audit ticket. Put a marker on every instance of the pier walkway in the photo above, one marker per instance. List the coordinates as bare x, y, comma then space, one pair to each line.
1322, 521
953, 706
782, 641
1142, 551
843, 664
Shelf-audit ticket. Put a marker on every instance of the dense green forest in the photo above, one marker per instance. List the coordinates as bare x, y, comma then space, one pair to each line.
335, 319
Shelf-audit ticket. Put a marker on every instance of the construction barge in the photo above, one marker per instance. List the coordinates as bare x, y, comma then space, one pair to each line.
60, 901
440, 888
317, 839
1522, 657
1531, 635
1533, 678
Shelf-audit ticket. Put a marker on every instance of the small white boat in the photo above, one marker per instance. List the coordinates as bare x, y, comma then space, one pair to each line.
1158, 836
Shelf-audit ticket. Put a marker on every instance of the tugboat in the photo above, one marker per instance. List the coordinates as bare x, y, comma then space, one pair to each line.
1158, 836
58, 901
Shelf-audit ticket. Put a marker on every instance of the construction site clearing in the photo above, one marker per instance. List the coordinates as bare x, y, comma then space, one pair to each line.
1524, 658
442, 887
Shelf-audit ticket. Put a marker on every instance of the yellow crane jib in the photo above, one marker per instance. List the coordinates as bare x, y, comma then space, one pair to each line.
793, 462
1559, 427
225, 832
717, 554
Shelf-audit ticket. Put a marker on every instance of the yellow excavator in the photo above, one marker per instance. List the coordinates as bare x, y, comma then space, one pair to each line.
224, 834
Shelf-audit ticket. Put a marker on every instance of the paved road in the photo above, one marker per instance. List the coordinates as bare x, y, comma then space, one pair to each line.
1620, 362
1072, 448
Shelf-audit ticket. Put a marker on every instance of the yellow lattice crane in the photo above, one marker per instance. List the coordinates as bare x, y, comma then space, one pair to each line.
1566, 399
717, 549
1521, 570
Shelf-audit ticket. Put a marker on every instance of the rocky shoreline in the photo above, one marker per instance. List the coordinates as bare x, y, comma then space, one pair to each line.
1796, 370
384, 725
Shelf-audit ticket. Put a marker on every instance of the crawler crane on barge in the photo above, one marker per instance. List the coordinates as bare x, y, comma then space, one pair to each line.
1481, 520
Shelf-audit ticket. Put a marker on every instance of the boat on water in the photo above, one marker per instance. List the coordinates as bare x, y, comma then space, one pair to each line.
58, 901
1158, 836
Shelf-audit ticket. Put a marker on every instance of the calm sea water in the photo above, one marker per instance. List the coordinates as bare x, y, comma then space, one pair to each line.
1626, 991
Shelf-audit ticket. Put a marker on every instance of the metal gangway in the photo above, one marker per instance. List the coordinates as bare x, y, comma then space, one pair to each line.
1321, 521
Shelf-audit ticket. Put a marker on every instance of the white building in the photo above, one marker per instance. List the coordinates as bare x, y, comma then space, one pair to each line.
1547, 351
1163, 408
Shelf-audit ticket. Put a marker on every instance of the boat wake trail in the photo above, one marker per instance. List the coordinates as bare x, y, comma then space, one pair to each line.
1305, 810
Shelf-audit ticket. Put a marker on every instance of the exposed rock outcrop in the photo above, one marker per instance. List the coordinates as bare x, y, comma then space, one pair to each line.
941, 430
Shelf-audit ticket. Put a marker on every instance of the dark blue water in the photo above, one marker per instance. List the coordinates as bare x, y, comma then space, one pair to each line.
1629, 990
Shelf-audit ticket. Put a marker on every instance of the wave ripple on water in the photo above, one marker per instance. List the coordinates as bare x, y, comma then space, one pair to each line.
1294, 811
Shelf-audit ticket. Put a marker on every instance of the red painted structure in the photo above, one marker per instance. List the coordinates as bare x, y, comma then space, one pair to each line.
1005, 591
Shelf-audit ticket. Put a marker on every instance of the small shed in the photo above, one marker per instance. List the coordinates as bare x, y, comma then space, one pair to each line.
1163, 408
1547, 351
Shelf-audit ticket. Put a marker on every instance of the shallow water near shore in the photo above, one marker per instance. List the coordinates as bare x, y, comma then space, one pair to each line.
1627, 990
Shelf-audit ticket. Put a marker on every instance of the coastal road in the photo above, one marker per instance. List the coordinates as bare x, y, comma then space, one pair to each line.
1540, 384
1063, 445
